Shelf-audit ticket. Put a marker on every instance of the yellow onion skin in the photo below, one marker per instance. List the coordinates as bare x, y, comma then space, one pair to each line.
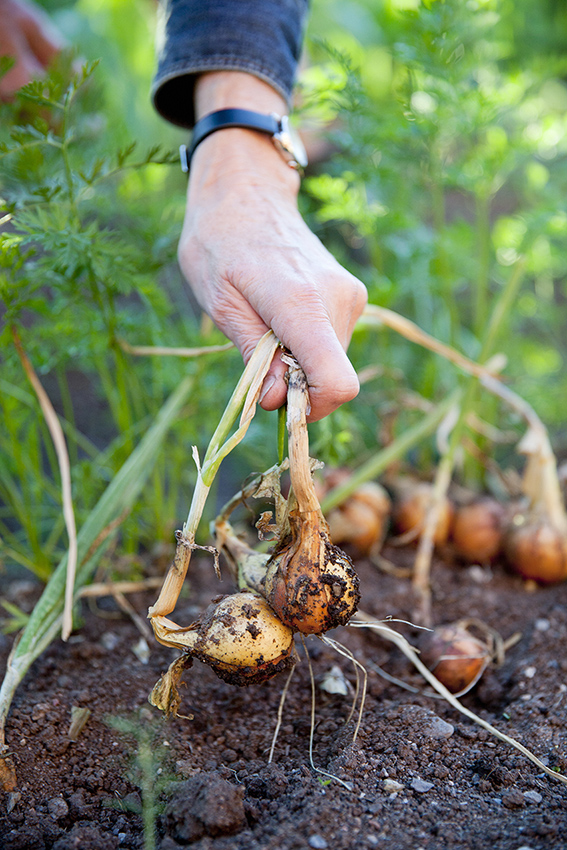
310, 583
536, 549
410, 512
242, 639
477, 530
454, 656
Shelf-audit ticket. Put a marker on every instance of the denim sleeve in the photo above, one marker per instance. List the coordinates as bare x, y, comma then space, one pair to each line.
261, 37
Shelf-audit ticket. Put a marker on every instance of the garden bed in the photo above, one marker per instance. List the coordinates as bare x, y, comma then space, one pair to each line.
419, 775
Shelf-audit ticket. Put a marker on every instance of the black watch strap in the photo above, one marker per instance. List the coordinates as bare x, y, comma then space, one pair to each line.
271, 124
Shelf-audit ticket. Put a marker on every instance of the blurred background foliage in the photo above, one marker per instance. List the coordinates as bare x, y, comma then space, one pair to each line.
438, 138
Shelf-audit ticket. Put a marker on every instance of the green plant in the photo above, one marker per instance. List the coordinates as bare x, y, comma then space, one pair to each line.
449, 167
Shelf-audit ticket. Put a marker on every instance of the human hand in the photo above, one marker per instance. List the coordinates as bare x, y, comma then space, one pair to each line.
253, 264
28, 36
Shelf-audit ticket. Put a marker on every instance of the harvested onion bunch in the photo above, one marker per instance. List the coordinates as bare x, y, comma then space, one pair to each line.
310, 583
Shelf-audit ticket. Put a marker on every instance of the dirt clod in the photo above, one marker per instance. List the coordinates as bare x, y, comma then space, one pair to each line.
204, 805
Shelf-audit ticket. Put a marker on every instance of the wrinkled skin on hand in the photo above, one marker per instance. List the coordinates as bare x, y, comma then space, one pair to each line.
253, 264
27, 36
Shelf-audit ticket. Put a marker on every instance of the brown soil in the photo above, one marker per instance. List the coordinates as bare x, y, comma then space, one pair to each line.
412, 781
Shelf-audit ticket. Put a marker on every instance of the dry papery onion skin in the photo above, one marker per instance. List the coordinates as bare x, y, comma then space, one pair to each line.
454, 656
536, 549
310, 583
240, 638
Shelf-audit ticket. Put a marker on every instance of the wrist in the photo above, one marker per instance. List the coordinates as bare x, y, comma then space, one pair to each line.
227, 89
241, 161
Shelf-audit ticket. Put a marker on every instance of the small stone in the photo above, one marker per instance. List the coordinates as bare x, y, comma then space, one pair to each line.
513, 799
532, 797
421, 785
142, 651
437, 728
392, 787
57, 808
110, 640
317, 842
542, 625
334, 682
530, 672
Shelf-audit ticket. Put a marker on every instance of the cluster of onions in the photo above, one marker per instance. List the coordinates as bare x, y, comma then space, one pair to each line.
306, 585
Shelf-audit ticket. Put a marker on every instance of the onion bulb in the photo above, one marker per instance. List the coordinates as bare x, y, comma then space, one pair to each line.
477, 530
454, 656
361, 520
239, 636
536, 548
310, 583
410, 511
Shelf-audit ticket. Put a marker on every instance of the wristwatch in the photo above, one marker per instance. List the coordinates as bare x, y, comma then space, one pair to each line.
277, 127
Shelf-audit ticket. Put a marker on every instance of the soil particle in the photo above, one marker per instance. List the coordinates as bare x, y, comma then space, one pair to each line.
204, 805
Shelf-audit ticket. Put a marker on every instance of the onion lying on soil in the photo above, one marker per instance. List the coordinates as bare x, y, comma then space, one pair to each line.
536, 539
410, 509
477, 530
361, 521
455, 656
536, 548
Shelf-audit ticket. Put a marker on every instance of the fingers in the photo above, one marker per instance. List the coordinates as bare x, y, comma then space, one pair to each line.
43, 39
27, 36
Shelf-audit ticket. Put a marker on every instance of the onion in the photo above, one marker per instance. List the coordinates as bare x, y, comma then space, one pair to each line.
454, 656
536, 548
362, 519
536, 538
410, 510
477, 530
239, 636
310, 583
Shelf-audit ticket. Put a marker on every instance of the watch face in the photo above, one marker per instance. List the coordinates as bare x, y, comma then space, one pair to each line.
289, 143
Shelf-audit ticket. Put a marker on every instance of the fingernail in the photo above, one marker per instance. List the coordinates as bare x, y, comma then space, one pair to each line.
268, 384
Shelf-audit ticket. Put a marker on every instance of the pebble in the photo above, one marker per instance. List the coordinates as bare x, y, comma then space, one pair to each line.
317, 842
437, 728
421, 785
391, 786
57, 808
533, 796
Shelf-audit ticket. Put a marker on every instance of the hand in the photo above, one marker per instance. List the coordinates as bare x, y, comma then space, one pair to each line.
26, 35
253, 263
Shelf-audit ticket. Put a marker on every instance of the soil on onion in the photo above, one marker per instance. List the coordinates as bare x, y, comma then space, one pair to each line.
420, 775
